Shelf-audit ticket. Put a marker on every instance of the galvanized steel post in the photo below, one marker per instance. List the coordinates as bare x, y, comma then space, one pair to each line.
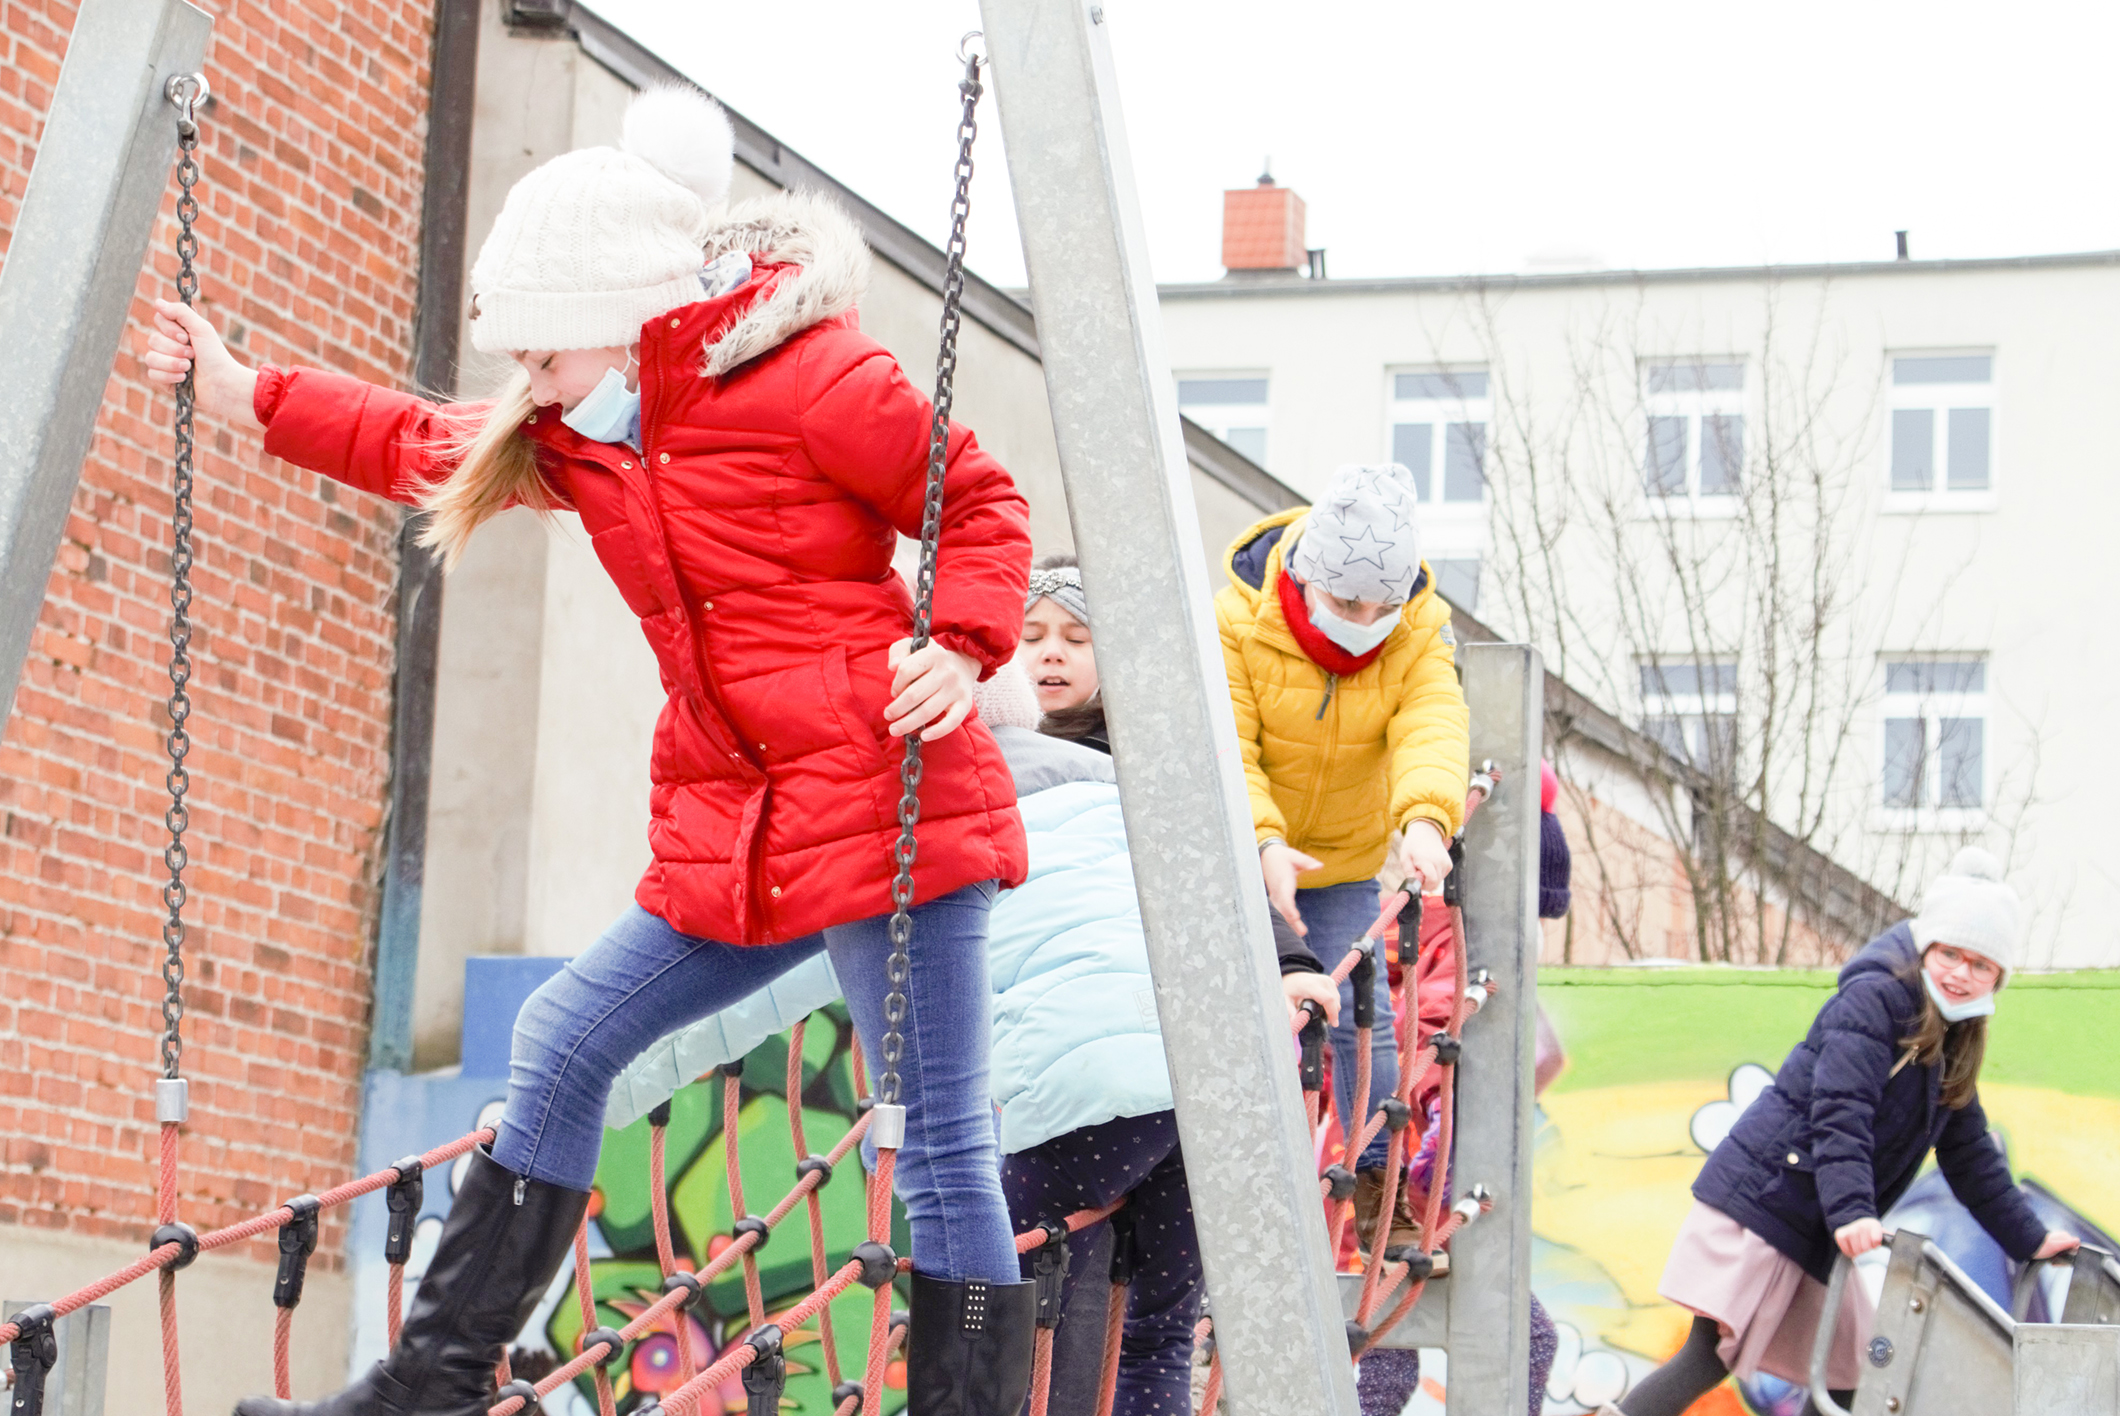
101, 174
1122, 457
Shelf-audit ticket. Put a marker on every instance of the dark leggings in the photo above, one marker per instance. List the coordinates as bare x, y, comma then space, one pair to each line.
1135, 1156
1693, 1371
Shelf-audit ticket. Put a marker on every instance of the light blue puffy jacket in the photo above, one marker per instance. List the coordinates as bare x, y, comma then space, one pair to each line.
1076, 1041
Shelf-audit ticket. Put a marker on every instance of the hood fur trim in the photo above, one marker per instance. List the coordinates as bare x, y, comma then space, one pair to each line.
798, 228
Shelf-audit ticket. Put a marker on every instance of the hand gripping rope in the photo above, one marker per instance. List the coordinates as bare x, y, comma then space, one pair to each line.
758, 1361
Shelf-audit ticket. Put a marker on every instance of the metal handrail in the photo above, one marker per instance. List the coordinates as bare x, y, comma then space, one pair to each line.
1836, 1292
2028, 1276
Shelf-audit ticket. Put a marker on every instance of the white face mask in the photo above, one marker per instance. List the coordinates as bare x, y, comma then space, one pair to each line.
609, 412
1981, 1007
1356, 639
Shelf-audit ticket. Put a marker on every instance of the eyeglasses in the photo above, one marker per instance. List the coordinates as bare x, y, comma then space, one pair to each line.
1983, 969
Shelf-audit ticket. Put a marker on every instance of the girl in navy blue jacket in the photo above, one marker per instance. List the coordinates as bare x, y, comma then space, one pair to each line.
1887, 1074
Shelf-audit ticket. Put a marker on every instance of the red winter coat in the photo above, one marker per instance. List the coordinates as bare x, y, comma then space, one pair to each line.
754, 537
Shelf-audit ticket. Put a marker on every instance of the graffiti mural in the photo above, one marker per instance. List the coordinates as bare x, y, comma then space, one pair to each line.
409, 1114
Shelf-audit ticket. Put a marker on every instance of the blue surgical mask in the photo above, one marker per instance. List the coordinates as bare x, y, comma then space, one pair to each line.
610, 413
1981, 1007
1356, 639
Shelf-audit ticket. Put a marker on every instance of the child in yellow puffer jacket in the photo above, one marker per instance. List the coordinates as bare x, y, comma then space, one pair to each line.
1342, 669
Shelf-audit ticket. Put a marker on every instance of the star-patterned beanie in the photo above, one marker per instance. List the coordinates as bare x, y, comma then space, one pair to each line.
1362, 540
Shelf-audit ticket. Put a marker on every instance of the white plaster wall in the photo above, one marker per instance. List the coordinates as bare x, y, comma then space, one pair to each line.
2027, 583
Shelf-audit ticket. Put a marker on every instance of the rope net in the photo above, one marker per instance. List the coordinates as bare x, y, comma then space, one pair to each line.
759, 1359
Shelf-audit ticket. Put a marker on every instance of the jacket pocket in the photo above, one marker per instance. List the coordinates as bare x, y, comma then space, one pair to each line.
620, 556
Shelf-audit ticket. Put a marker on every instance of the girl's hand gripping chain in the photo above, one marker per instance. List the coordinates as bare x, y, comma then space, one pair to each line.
932, 690
183, 337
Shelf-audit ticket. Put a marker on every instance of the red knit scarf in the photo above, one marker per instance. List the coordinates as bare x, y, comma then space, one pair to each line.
1316, 647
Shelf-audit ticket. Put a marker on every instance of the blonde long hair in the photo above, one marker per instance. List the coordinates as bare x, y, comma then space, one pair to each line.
491, 468
1960, 1047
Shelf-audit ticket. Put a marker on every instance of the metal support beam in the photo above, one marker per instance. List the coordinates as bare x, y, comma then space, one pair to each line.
1225, 1027
101, 173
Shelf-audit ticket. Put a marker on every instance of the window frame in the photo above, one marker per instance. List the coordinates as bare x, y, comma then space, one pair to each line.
1699, 707
1446, 412
1696, 406
1938, 399
1221, 427
1931, 707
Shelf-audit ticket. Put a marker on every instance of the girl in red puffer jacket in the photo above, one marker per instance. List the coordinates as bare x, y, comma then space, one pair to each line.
691, 380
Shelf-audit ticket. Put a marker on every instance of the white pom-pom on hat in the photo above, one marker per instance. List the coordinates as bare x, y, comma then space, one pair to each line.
1970, 906
684, 135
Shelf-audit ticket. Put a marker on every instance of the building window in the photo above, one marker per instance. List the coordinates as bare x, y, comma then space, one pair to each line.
1231, 406
1935, 734
1695, 445
1457, 580
1943, 417
1439, 433
1690, 707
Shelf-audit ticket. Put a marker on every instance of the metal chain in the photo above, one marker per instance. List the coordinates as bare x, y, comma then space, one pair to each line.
900, 966
186, 91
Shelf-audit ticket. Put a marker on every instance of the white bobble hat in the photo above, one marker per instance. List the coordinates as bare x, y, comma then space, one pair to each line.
1972, 907
595, 243
1362, 539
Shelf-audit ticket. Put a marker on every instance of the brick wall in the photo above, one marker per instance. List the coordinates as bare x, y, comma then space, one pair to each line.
311, 199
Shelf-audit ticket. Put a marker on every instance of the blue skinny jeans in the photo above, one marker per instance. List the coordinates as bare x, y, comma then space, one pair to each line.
1336, 916
643, 980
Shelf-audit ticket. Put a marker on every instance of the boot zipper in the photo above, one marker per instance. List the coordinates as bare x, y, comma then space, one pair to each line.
1332, 681
520, 1185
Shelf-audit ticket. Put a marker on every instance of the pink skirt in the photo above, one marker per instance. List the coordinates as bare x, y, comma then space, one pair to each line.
1765, 1304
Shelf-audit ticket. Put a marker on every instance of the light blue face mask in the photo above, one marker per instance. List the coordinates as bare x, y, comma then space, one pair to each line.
1356, 639
610, 413
1981, 1007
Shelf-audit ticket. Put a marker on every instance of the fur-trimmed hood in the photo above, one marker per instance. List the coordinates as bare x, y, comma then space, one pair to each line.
788, 228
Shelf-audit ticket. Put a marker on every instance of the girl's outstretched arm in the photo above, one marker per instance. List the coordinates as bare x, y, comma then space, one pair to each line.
1980, 1178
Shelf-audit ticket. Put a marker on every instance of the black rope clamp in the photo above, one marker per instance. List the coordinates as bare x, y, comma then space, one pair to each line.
1420, 1265
733, 1068
659, 1115
689, 1282
404, 1197
752, 1224
848, 1391
1364, 978
817, 1163
1311, 1069
613, 1343
766, 1378
1410, 924
1126, 1248
527, 1390
1340, 1182
879, 1265
298, 1240
1397, 1114
1454, 882
180, 1234
1357, 1338
864, 1106
1049, 1272
1447, 1049
36, 1352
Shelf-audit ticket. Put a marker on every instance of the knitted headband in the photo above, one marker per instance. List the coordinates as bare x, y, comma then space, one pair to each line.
1063, 586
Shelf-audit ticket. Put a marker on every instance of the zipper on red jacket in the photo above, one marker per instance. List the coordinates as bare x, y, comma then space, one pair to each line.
694, 630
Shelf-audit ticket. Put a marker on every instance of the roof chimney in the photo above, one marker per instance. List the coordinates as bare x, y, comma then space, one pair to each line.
1262, 228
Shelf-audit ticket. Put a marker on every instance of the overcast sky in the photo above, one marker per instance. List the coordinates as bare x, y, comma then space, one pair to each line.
1489, 135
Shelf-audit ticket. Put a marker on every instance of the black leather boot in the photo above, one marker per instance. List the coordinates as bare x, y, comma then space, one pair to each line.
504, 1239
969, 1351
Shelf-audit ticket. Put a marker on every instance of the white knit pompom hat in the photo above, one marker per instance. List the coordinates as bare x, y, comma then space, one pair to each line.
1972, 907
595, 243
